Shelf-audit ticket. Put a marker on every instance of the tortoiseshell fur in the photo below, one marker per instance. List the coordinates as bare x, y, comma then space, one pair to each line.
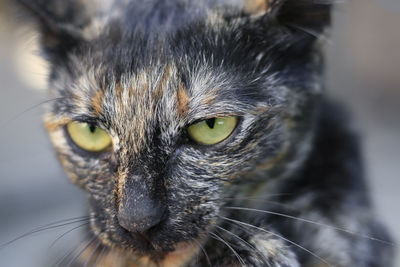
145, 70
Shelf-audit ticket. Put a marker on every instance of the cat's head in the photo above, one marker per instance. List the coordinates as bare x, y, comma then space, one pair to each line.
159, 108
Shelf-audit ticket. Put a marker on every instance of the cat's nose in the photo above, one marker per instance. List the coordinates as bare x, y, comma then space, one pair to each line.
139, 210
140, 216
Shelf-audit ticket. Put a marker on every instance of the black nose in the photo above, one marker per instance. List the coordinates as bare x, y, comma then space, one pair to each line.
140, 216
139, 207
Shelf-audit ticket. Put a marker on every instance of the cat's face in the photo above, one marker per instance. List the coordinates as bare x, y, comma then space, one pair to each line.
156, 186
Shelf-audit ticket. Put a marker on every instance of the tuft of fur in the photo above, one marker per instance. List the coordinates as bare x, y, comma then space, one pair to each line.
146, 70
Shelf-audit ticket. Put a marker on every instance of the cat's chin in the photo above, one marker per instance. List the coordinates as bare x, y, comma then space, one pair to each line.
182, 253
179, 256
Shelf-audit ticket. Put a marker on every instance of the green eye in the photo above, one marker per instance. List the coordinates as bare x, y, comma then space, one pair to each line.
212, 131
88, 137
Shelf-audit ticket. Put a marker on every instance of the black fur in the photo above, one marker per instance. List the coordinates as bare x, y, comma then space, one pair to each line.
145, 71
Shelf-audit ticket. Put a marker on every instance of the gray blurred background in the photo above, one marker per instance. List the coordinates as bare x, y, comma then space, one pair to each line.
363, 71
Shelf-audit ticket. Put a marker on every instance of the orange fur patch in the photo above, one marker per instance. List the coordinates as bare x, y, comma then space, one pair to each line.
118, 91
164, 81
256, 7
182, 100
97, 101
121, 180
116, 258
52, 124
186, 252
210, 97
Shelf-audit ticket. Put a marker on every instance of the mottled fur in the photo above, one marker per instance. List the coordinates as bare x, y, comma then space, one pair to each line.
145, 70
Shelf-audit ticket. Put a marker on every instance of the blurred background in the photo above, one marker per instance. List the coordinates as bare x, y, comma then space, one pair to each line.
363, 70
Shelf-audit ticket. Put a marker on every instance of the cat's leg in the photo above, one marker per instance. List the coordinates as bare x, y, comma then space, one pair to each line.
328, 193
315, 239
360, 241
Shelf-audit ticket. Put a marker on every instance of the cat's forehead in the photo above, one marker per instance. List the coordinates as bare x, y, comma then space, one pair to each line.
159, 91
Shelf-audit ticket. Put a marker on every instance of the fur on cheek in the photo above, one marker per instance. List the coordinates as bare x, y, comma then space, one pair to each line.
80, 169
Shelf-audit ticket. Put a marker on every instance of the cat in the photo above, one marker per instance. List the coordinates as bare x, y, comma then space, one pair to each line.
202, 135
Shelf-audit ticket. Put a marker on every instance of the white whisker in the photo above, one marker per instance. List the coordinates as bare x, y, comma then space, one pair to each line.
69, 253
215, 236
81, 251
315, 223
67, 232
99, 256
312, 33
279, 236
46, 227
204, 251
91, 254
245, 242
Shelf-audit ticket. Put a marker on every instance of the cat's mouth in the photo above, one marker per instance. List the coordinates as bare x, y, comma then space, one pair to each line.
143, 241
146, 247
142, 238
151, 244
181, 253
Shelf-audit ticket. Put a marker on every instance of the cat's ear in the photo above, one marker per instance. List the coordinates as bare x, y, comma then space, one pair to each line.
63, 24
311, 15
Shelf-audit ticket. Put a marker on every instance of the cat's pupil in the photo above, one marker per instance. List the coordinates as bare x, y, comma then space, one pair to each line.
92, 128
211, 123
